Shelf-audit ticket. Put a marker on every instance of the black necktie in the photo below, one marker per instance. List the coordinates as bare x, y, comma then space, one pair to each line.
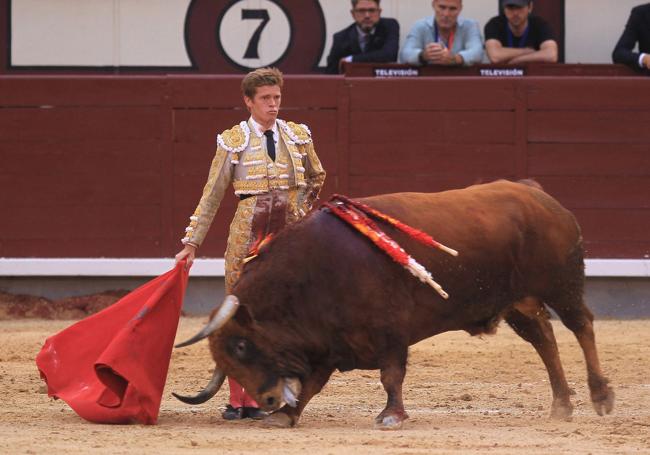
270, 144
364, 41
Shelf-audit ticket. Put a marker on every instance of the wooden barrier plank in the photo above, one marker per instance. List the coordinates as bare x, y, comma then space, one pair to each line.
369, 185
402, 127
225, 92
614, 249
603, 192
431, 158
80, 188
120, 145
426, 94
91, 123
622, 225
589, 126
378, 127
483, 127
589, 159
133, 247
83, 222
84, 156
215, 91
588, 93
202, 125
80, 91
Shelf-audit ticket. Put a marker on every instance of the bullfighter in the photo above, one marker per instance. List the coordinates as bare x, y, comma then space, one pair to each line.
277, 176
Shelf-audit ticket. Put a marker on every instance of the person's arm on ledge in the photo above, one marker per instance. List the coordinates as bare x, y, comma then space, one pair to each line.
546, 54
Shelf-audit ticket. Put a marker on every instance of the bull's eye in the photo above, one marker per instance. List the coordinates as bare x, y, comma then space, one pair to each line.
240, 348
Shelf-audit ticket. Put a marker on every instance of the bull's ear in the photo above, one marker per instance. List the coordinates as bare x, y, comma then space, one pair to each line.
243, 315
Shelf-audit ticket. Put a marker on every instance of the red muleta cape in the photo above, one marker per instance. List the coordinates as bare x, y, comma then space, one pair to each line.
111, 367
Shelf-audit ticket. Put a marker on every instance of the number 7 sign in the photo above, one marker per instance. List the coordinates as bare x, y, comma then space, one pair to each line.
226, 36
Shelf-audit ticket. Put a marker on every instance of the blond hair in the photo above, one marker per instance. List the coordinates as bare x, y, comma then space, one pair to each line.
260, 77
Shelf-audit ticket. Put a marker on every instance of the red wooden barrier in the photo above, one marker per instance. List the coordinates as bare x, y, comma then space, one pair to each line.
113, 166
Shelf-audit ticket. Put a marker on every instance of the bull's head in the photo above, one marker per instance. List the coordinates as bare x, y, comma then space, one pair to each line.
243, 353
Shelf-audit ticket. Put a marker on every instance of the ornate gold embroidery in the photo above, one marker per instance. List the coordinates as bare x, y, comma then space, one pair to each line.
239, 241
234, 138
301, 132
250, 185
278, 183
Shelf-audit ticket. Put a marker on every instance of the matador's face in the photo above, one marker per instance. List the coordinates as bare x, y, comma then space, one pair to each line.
265, 104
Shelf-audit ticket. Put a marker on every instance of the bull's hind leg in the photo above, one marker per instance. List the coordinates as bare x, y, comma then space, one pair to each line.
393, 371
530, 320
578, 318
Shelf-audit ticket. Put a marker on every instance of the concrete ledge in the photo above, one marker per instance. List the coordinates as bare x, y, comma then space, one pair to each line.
103, 267
112, 267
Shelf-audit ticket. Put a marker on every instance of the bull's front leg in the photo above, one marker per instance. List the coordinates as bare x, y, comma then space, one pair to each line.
287, 416
392, 378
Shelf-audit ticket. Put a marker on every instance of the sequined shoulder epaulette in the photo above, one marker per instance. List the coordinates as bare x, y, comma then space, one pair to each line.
299, 133
235, 140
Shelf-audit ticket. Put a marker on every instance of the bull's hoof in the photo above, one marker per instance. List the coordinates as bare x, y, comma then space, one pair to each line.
390, 420
561, 409
604, 404
389, 423
278, 420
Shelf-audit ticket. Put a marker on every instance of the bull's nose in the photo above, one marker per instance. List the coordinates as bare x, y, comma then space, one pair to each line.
270, 401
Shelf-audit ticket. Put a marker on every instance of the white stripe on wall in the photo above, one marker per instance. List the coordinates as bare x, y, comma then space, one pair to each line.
104, 267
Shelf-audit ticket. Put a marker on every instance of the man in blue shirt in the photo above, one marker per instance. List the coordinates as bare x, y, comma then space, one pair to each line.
443, 39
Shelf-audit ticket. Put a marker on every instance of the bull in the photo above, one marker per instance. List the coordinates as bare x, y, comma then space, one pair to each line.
321, 297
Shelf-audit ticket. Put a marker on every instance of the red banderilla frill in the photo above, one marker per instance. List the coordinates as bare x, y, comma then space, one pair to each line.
357, 214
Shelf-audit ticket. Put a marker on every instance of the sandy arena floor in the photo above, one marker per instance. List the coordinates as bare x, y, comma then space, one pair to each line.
464, 395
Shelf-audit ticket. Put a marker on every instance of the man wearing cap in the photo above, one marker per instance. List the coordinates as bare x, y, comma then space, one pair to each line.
371, 38
636, 31
277, 176
443, 39
516, 36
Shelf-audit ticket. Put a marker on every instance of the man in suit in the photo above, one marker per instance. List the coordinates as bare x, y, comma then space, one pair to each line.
636, 31
371, 38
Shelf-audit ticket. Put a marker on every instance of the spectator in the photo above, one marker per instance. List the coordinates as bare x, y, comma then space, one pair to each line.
371, 38
516, 36
444, 39
637, 30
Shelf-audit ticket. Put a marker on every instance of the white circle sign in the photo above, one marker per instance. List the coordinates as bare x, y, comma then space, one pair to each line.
254, 33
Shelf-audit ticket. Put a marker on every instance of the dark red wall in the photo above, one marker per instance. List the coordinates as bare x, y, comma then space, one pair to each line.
113, 166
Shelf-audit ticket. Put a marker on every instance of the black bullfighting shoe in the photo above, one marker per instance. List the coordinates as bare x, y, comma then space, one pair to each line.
233, 413
254, 413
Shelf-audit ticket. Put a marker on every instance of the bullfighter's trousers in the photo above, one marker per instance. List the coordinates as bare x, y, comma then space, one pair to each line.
256, 217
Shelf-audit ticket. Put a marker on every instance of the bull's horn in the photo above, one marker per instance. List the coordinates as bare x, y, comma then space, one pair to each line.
226, 311
210, 390
290, 391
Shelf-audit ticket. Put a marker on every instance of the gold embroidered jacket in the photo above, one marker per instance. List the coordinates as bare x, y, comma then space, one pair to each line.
241, 159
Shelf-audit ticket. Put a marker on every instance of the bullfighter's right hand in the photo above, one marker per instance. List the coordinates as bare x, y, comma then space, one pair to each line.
188, 253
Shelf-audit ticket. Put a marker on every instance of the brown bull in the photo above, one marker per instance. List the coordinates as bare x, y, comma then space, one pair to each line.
321, 297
